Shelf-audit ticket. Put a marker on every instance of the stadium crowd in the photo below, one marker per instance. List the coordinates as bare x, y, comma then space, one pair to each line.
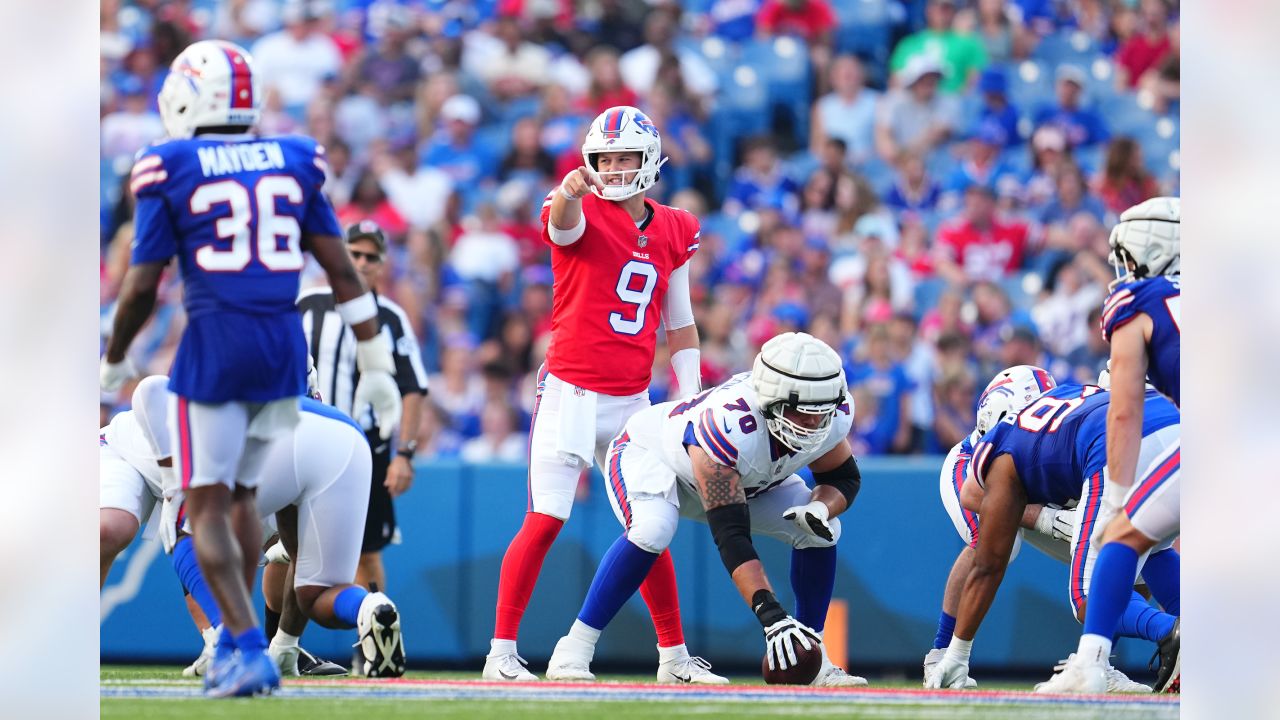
927, 186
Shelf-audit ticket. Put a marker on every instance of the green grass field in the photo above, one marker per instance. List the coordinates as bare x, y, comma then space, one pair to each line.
160, 692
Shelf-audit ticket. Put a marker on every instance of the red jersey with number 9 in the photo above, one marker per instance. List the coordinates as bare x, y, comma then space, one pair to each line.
609, 290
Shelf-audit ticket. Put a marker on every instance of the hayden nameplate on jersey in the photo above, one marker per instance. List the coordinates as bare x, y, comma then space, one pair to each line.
234, 210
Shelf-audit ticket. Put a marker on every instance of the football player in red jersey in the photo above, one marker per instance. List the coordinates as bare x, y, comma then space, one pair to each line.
620, 262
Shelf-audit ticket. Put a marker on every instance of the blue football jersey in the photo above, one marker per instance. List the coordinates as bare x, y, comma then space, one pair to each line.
1059, 440
234, 210
1159, 298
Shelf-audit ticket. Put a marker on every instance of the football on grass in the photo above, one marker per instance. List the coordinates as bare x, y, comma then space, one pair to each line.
808, 663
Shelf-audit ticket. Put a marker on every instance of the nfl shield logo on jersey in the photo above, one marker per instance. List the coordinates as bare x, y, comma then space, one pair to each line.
579, 392
642, 240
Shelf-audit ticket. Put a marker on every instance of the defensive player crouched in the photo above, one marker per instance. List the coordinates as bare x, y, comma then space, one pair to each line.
727, 457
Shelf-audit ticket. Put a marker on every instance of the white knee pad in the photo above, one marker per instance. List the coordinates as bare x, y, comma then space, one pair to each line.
653, 524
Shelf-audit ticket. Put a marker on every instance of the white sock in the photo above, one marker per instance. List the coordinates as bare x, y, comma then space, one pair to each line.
283, 639
675, 652
584, 632
1094, 649
502, 647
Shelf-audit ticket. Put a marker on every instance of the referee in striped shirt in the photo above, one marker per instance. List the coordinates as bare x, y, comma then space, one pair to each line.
333, 347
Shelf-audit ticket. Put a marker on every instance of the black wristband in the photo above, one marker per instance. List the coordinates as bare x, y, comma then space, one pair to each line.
847, 479
731, 529
767, 608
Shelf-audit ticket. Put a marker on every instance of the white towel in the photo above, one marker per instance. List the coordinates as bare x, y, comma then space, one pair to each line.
576, 441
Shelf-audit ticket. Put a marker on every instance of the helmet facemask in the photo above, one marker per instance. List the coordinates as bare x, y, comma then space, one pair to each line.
618, 130
793, 435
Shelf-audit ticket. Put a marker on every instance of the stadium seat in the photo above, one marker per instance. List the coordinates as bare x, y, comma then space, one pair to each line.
1066, 46
783, 64
865, 28
1030, 84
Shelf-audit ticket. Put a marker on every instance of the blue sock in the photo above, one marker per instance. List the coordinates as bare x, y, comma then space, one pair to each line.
813, 578
946, 626
251, 640
346, 607
1163, 573
226, 646
184, 562
1109, 588
1143, 621
621, 571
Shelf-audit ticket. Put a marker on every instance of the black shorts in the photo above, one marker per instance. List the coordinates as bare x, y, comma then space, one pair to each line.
380, 522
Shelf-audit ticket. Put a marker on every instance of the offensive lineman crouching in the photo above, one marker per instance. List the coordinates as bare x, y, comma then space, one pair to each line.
727, 457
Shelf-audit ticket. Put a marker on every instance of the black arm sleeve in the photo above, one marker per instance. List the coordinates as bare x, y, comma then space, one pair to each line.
731, 528
846, 478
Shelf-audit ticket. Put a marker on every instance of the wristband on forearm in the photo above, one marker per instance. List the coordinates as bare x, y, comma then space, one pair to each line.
767, 608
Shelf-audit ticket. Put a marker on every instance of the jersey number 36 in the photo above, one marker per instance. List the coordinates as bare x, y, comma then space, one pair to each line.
272, 227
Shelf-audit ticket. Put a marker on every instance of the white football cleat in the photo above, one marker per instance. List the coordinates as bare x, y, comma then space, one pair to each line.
571, 660
508, 667
381, 645
198, 667
1118, 682
831, 675
1077, 676
683, 669
933, 657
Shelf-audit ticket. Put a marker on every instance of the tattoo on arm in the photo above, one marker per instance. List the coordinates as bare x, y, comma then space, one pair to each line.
720, 485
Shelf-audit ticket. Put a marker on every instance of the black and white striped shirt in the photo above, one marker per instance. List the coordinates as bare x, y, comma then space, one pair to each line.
333, 347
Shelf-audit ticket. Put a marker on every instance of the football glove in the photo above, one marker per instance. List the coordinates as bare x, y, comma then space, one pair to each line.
778, 640
112, 375
948, 674
276, 555
285, 656
377, 387
1057, 524
811, 519
169, 520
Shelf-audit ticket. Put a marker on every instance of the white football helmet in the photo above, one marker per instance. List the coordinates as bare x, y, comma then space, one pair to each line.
1147, 242
210, 84
798, 371
1011, 390
624, 129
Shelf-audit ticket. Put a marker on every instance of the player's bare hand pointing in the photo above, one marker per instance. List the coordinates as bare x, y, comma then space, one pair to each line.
579, 182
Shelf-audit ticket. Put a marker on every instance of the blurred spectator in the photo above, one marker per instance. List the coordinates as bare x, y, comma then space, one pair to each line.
1021, 346
526, 160
946, 318
981, 163
1144, 50
621, 21
1049, 154
959, 56
761, 182
978, 245
848, 112
810, 20
913, 248
342, 175
1073, 197
419, 193
430, 99
913, 190
639, 66
1164, 86
133, 125
606, 89
733, 20
1089, 359
499, 441
294, 61
993, 321
1125, 181
916, 358
1093, 18
881, 394
387, 66
360, 118
818, 205
560, 123
993, 85
509, 65
954, 412
915, 117
994, 28
369, 202
454, 150
457, 389
1060, 313
1082, 126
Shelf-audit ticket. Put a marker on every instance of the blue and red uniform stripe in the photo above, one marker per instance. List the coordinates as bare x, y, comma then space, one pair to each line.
1153, 482
970, 519
241, 82
528, 448
716, 443
616, 482
1082, 542
184, 440
613, 123
1043, 380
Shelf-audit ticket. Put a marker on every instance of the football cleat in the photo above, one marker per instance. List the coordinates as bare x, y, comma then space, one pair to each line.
1118, 682
933, 657
831, 675
508, 667
571, 660
1169, 651
250, 675
381, 646
688, 670
313, 666
1077, 676
201, 664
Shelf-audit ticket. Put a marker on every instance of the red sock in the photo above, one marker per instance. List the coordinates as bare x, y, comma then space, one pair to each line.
520, 568
663, 599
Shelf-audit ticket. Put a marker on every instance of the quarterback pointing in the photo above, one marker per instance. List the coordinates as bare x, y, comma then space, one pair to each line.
728, 457
620, 262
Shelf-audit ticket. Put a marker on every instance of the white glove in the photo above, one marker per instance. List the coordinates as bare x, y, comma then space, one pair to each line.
952, 671
276, 555
285, 655
377, 387
112, 375
779, 638
811, 519
169, 520
1057, 524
